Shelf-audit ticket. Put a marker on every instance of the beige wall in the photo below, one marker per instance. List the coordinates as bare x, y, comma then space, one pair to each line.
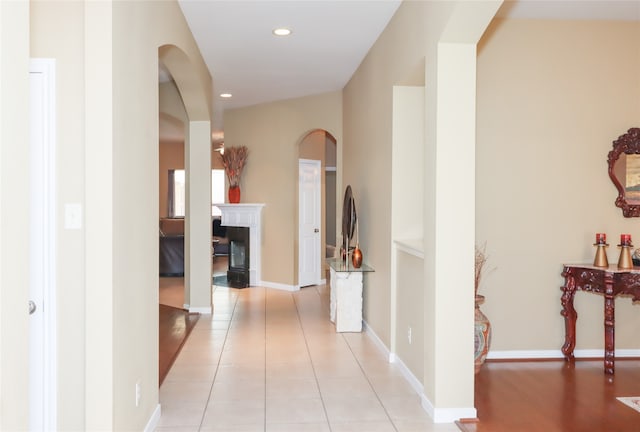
14, 216
442, 37
552, 96
550, 92
172, 157
173, 115
67, 48
331, 190
108, 160
273, 132
410, 317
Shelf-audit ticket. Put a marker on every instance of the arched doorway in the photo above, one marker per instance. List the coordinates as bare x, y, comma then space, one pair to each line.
197, 168
316, 232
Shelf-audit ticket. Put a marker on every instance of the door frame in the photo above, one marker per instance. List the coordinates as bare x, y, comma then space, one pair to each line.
42, 175
318, 217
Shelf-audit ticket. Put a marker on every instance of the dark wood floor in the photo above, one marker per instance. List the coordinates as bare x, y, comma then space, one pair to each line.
550, 396
175, 326
175, 323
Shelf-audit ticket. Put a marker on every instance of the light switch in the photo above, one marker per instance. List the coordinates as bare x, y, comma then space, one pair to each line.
73, 216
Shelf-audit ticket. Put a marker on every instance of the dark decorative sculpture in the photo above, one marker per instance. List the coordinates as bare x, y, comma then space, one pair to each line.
349, 218
624, 171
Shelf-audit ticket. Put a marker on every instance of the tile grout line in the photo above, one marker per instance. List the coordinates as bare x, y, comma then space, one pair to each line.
306, 343
226, 336
366, 376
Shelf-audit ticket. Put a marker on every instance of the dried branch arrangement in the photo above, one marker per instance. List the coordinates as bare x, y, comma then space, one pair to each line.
233, 160
481, 260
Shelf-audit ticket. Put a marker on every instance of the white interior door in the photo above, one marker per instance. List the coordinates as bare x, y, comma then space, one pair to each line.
42, 246
309, 222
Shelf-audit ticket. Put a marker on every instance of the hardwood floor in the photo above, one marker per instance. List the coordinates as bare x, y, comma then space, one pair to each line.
175, 323
175, 326
555, 396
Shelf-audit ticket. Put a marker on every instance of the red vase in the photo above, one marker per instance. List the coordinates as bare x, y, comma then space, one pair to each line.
234, 194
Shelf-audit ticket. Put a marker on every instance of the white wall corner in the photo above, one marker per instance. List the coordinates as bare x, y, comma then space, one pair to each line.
446, 415
438, 415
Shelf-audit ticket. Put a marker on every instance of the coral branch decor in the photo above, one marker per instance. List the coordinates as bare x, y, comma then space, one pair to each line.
482, 333
233, 160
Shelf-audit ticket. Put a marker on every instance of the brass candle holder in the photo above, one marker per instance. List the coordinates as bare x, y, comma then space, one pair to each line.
601, 255
625, 261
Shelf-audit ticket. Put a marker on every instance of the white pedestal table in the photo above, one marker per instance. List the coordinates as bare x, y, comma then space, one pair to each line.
346, 294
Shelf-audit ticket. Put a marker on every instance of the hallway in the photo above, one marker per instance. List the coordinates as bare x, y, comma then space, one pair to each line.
270, 360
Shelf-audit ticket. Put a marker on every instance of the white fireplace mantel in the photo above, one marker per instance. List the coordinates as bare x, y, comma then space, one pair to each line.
247, 215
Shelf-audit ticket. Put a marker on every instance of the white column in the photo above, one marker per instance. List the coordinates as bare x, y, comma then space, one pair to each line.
197, 248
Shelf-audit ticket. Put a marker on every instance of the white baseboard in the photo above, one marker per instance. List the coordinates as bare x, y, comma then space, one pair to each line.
152, 424
284, 287
279, 286
446, 415
557, 354
439, 415
413, 381
201, 310
378, 342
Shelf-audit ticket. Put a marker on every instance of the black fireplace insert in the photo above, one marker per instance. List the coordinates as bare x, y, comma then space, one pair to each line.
238, 272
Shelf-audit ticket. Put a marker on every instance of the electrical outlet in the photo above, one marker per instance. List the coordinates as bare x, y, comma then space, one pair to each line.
409, 335
138, 393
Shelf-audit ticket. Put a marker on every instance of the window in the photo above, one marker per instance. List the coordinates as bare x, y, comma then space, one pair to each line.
177, 192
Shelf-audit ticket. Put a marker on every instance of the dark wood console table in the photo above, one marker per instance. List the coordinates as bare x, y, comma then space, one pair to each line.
611, 282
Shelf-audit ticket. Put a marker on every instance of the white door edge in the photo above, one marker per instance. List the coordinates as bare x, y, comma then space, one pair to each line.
43, 191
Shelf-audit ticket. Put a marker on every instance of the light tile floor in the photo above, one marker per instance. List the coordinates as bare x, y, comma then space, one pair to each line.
270, 360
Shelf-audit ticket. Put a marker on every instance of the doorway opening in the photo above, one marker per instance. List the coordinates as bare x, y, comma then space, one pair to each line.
316, 230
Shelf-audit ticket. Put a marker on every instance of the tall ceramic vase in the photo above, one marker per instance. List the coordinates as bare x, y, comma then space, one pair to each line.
234, 194
482, 335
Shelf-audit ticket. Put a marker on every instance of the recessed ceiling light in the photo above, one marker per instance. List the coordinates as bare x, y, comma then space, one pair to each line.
225, 95
281, 31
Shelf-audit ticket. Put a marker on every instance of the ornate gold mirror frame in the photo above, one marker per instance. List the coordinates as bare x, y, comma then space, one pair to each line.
624, 171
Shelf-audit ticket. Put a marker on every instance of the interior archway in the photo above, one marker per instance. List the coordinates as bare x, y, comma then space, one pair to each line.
194, 91
320, 145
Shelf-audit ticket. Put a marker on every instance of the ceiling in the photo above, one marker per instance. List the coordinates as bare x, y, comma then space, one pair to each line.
329, 39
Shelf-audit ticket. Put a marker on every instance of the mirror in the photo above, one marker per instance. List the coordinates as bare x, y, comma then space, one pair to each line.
624, 170
348, 220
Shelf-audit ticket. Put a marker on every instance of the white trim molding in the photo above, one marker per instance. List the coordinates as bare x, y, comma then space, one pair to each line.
279, 286
557, 354
200, 310
378, 342
446, 415
438, 415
